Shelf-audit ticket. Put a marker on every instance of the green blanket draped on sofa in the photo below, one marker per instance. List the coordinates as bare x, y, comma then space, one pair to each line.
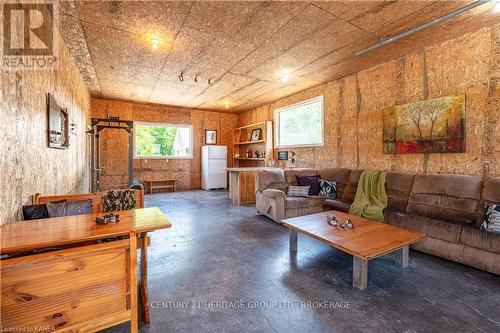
371, 198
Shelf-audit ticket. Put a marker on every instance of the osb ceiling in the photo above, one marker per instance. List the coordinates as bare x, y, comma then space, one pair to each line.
245, 49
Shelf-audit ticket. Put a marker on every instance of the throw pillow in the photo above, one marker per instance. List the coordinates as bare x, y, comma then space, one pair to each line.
327, 188
34, 212
492, 218
298, 191
311, 181
69, 208
115, 200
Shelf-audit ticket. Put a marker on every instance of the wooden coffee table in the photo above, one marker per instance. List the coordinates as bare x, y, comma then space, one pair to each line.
367, 240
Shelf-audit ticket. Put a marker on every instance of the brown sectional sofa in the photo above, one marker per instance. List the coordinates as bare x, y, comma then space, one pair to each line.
449, 209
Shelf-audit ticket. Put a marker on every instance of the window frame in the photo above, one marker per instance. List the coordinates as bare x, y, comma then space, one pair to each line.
277, 143
166, 157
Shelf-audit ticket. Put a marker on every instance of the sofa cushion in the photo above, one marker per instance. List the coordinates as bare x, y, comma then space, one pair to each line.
291, 174
316, 201
452, 198
491, 190
340, 175
395, 217
296, 202
352, 185
434, 228
33, 212
311, 181
270, 178
449, 232
398, 187
69, 208
481, 239
337, 204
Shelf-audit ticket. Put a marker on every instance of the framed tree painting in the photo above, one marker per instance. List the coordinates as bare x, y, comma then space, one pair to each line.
431, 126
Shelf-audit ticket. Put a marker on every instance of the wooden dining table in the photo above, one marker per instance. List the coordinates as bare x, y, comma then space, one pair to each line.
71, 274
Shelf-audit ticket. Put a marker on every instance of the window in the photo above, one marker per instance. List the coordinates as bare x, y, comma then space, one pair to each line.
153, 140
300, 124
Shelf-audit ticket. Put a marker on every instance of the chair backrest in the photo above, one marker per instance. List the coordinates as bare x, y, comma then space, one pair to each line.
95, 197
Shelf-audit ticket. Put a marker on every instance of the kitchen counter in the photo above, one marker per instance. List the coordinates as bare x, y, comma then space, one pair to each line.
242, 184
249, 169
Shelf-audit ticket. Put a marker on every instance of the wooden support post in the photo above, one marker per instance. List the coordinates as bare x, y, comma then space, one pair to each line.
134, 321
401, 256
359, 273
293, 240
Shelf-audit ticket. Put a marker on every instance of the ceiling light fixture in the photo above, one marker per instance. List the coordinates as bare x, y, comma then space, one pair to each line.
155, 42
196, 78
423, 26
227, 104
181, 77
285, 75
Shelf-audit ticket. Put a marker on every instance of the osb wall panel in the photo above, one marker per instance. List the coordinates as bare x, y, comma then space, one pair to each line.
354, 106
27, 165
114, 143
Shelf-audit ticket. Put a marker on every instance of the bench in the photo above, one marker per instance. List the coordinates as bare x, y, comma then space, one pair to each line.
143, 241
156, 184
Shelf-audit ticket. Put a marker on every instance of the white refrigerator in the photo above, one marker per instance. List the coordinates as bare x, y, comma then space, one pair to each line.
213, 167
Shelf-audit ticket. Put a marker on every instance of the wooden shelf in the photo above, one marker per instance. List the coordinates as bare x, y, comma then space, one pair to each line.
249, 142
250, 158
260, 124
242, 144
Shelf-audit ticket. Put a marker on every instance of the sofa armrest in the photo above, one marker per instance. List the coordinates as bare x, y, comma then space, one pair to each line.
270, 178
272, 193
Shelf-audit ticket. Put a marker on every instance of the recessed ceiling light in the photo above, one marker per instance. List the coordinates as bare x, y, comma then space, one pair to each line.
285, 75
227, 104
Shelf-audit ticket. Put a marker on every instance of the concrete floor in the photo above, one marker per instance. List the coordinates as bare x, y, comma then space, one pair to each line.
220, 252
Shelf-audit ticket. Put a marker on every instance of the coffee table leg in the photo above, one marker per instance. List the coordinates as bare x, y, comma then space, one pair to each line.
359, 273
293, 240
401, 256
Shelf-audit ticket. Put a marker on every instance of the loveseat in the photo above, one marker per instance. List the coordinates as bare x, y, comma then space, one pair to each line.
448, 208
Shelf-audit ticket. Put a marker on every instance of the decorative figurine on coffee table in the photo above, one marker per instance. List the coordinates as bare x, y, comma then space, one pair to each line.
332, 220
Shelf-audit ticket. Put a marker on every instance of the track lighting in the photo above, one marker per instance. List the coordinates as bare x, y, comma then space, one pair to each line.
181, 77
209, 81
196, 78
